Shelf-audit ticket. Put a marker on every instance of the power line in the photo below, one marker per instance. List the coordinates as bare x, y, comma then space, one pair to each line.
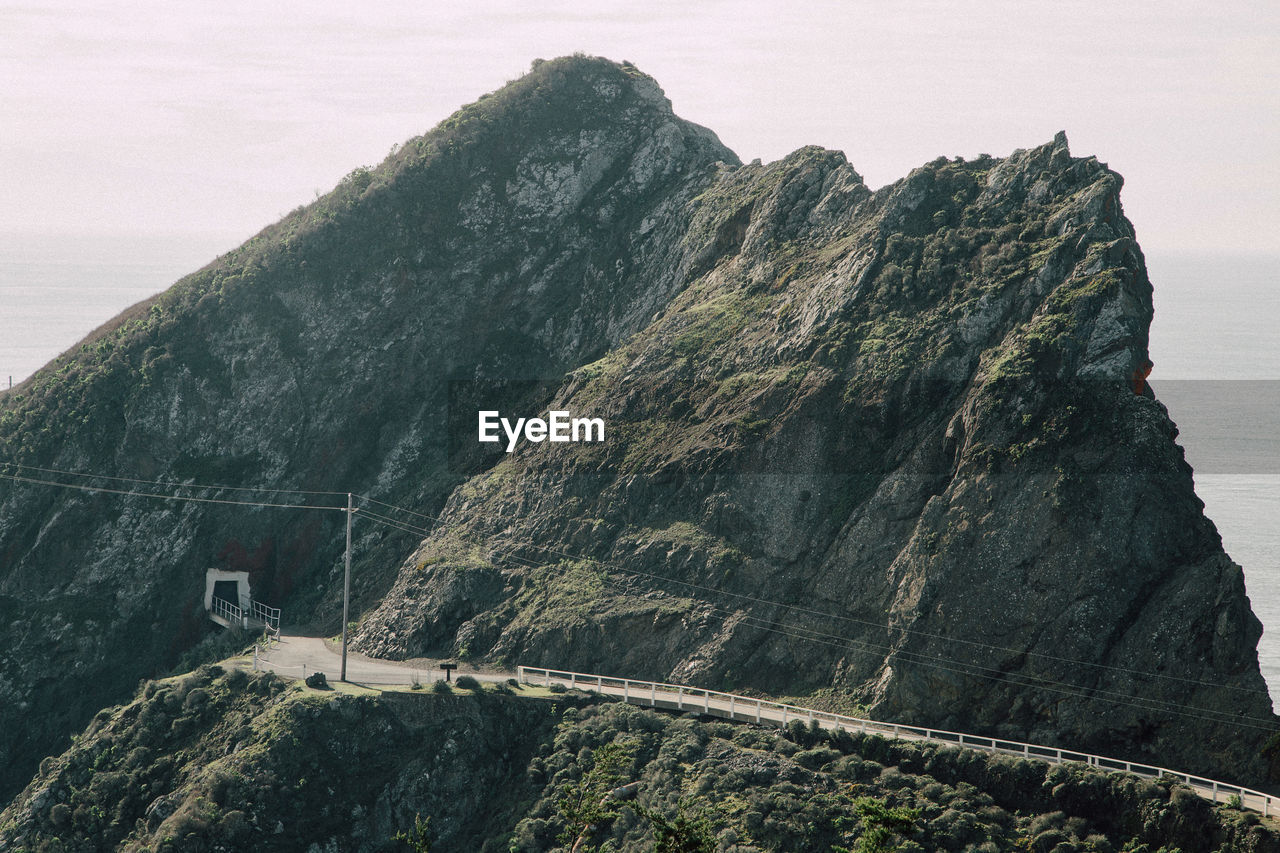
400, 508
811, 634
185, 498
204, 487
1017, 679
941, 663
389, 522
842, 617
409, 527
885, 626
826, 615
168, 484
1020, 679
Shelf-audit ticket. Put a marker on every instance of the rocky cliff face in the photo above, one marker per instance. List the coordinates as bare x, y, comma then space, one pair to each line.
883, 442
896, 442
525, 236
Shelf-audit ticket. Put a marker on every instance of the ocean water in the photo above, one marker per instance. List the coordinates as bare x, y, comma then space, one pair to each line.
56, 290
1217, 365
1217, 369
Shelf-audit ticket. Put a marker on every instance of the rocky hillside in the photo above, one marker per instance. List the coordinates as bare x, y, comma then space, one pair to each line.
899, 443
884, 445
525, 236
228, 761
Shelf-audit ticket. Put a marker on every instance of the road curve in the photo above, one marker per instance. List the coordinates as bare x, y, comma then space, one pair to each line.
298, 657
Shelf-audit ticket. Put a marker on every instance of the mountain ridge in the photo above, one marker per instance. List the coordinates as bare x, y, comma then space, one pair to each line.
1067, 333
237, 375
754, 333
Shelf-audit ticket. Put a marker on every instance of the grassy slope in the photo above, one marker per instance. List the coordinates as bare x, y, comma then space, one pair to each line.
225, 760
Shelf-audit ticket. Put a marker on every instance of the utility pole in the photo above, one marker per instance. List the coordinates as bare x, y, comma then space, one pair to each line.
346, 591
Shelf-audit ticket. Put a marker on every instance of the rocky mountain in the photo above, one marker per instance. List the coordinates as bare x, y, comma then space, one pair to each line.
525, 236
895, 448
899, 443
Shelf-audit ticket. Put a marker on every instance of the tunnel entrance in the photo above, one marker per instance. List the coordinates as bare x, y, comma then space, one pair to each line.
229, 602
228, 591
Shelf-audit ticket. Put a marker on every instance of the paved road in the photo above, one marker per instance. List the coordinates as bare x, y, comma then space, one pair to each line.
298, 657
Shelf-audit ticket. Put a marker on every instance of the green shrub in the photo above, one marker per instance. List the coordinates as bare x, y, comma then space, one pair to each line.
196, 699
234, 827
60, 815
1049, 839
467, 682
419, 838
816, 758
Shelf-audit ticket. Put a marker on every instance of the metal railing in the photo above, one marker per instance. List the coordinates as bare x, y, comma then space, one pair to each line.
241, 616
228, 611
748, 709
269, 616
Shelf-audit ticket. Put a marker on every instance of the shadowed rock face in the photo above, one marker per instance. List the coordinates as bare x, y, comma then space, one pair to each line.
883, 441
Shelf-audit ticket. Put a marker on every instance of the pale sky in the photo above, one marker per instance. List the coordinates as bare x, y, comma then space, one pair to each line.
144, 120
159, 117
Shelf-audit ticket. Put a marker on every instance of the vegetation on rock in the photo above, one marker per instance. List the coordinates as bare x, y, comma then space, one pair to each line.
479, 262
878, 447
225, 760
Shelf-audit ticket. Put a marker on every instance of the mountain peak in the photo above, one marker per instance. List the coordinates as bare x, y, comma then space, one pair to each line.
606, 77
824, 404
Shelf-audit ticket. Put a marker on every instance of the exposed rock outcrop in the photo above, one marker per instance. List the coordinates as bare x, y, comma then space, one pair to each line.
885, 443
525, 236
